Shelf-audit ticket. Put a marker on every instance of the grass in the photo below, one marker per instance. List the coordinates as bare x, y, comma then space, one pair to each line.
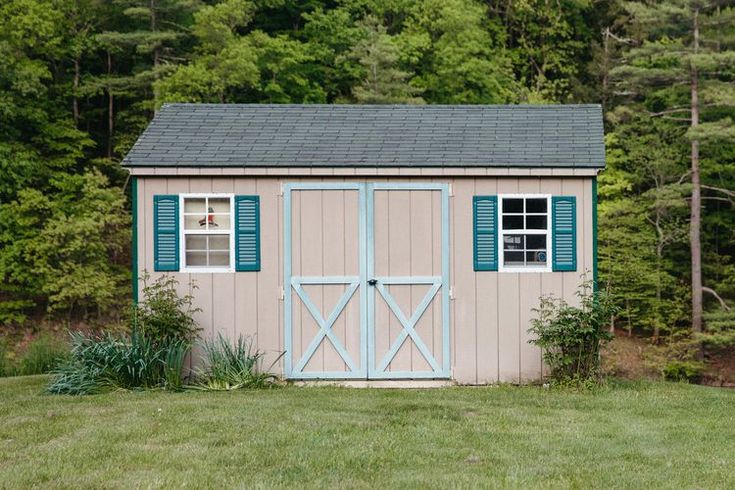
630, 435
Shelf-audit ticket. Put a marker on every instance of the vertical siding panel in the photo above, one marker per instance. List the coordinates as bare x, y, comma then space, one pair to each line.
422, 232
204, 292
399, 258
585, 250
312, 246
334, 264
575, 187
350, 210
223, 284
486, 299
530, 291
435, 310
245, 296
552, 283
463, 348
268, 303
383, 316
508, 308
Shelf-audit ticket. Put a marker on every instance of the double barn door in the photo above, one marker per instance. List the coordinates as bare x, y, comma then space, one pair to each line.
366, 280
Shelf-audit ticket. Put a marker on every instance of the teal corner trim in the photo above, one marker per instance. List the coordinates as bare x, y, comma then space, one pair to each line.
134, 244
595, 279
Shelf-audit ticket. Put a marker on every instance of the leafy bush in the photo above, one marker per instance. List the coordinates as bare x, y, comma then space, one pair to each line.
231, 367
690, 371
720, 331
42, 355
128, 362
571, 336
163, 315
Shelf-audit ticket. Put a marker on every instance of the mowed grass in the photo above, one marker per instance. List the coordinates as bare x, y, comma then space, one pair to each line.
633, 435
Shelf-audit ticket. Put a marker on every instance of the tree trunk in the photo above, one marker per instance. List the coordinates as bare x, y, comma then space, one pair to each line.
75, 88
110, 109
696, 203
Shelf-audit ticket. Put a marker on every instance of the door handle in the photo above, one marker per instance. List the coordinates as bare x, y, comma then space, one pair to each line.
373, 282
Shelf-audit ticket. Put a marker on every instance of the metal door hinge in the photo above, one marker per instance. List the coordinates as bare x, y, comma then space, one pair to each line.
451, 293
282, 294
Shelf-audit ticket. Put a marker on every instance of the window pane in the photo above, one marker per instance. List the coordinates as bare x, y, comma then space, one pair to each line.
219, 205
536, 258
196, 259
512, 222
219, 221
512, 205
219, 259
535, 222
513, 258
536, 205
196, 242
513, 242
193, 205
193, 222
219, 242
536, 242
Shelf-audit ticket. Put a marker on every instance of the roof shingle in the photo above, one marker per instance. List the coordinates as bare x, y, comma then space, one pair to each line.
257, 135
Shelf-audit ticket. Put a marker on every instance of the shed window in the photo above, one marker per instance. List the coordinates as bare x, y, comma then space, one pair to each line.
207, 232
525, 232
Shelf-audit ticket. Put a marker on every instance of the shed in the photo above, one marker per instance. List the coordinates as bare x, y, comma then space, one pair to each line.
372, 242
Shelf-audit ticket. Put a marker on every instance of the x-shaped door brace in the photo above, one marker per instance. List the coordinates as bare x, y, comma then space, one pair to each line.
325, 326
409, 324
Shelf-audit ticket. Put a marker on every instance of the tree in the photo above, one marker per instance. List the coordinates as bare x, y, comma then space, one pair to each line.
683, 63
381, 81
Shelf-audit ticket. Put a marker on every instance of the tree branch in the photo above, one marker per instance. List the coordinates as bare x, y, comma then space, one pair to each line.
717, 296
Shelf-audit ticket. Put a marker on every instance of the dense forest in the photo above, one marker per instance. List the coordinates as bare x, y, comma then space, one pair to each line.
80, 79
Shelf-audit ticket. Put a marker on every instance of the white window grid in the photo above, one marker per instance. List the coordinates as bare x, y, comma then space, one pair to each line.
502, 267
206, 230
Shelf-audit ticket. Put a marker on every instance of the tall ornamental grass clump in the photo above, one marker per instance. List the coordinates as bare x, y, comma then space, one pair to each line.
151, 355
42, 355
571, 336
231, 367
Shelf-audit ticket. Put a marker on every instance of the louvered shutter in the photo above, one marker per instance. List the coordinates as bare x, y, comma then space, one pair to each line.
166, 233
564, 233
247, 233
485, 233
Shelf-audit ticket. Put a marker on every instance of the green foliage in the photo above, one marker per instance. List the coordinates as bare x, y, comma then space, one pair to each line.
162, 315
571, 336
231, 367
42, 355
4, 358
690, 371
720, 332
119, 362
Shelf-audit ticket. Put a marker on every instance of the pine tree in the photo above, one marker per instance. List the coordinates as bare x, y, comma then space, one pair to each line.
684, 62
382, 82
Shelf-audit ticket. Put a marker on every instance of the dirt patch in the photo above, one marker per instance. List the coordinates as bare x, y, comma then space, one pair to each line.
625, 357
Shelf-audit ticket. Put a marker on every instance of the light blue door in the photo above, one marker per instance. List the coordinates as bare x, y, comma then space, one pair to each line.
366, 272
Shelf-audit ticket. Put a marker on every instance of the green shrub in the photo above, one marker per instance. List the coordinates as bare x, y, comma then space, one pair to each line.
42, 355
4, 361
231, 367
125, 362
690, 371
571, 336
162, 315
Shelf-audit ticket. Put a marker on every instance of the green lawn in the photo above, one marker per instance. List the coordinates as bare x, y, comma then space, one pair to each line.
629, 435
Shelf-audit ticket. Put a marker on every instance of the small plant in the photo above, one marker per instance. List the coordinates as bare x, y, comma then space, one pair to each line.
571, 336
689, 371
126, 362
231, 367
42, 355
162, 315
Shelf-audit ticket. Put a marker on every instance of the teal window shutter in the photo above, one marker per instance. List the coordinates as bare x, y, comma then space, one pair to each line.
166, 232
564, 232
485, 233
247, 233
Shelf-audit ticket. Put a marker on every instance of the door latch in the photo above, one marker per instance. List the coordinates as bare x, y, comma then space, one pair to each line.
373, 282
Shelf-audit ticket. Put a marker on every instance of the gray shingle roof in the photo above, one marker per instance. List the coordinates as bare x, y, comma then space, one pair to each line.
245, 135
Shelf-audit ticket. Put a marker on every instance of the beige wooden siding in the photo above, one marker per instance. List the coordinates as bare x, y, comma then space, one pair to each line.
490, 311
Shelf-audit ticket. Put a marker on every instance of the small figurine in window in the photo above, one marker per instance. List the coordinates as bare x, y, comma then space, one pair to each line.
209, 218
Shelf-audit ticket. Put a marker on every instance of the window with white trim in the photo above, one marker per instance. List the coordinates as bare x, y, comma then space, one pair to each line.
525, 234
207, 229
